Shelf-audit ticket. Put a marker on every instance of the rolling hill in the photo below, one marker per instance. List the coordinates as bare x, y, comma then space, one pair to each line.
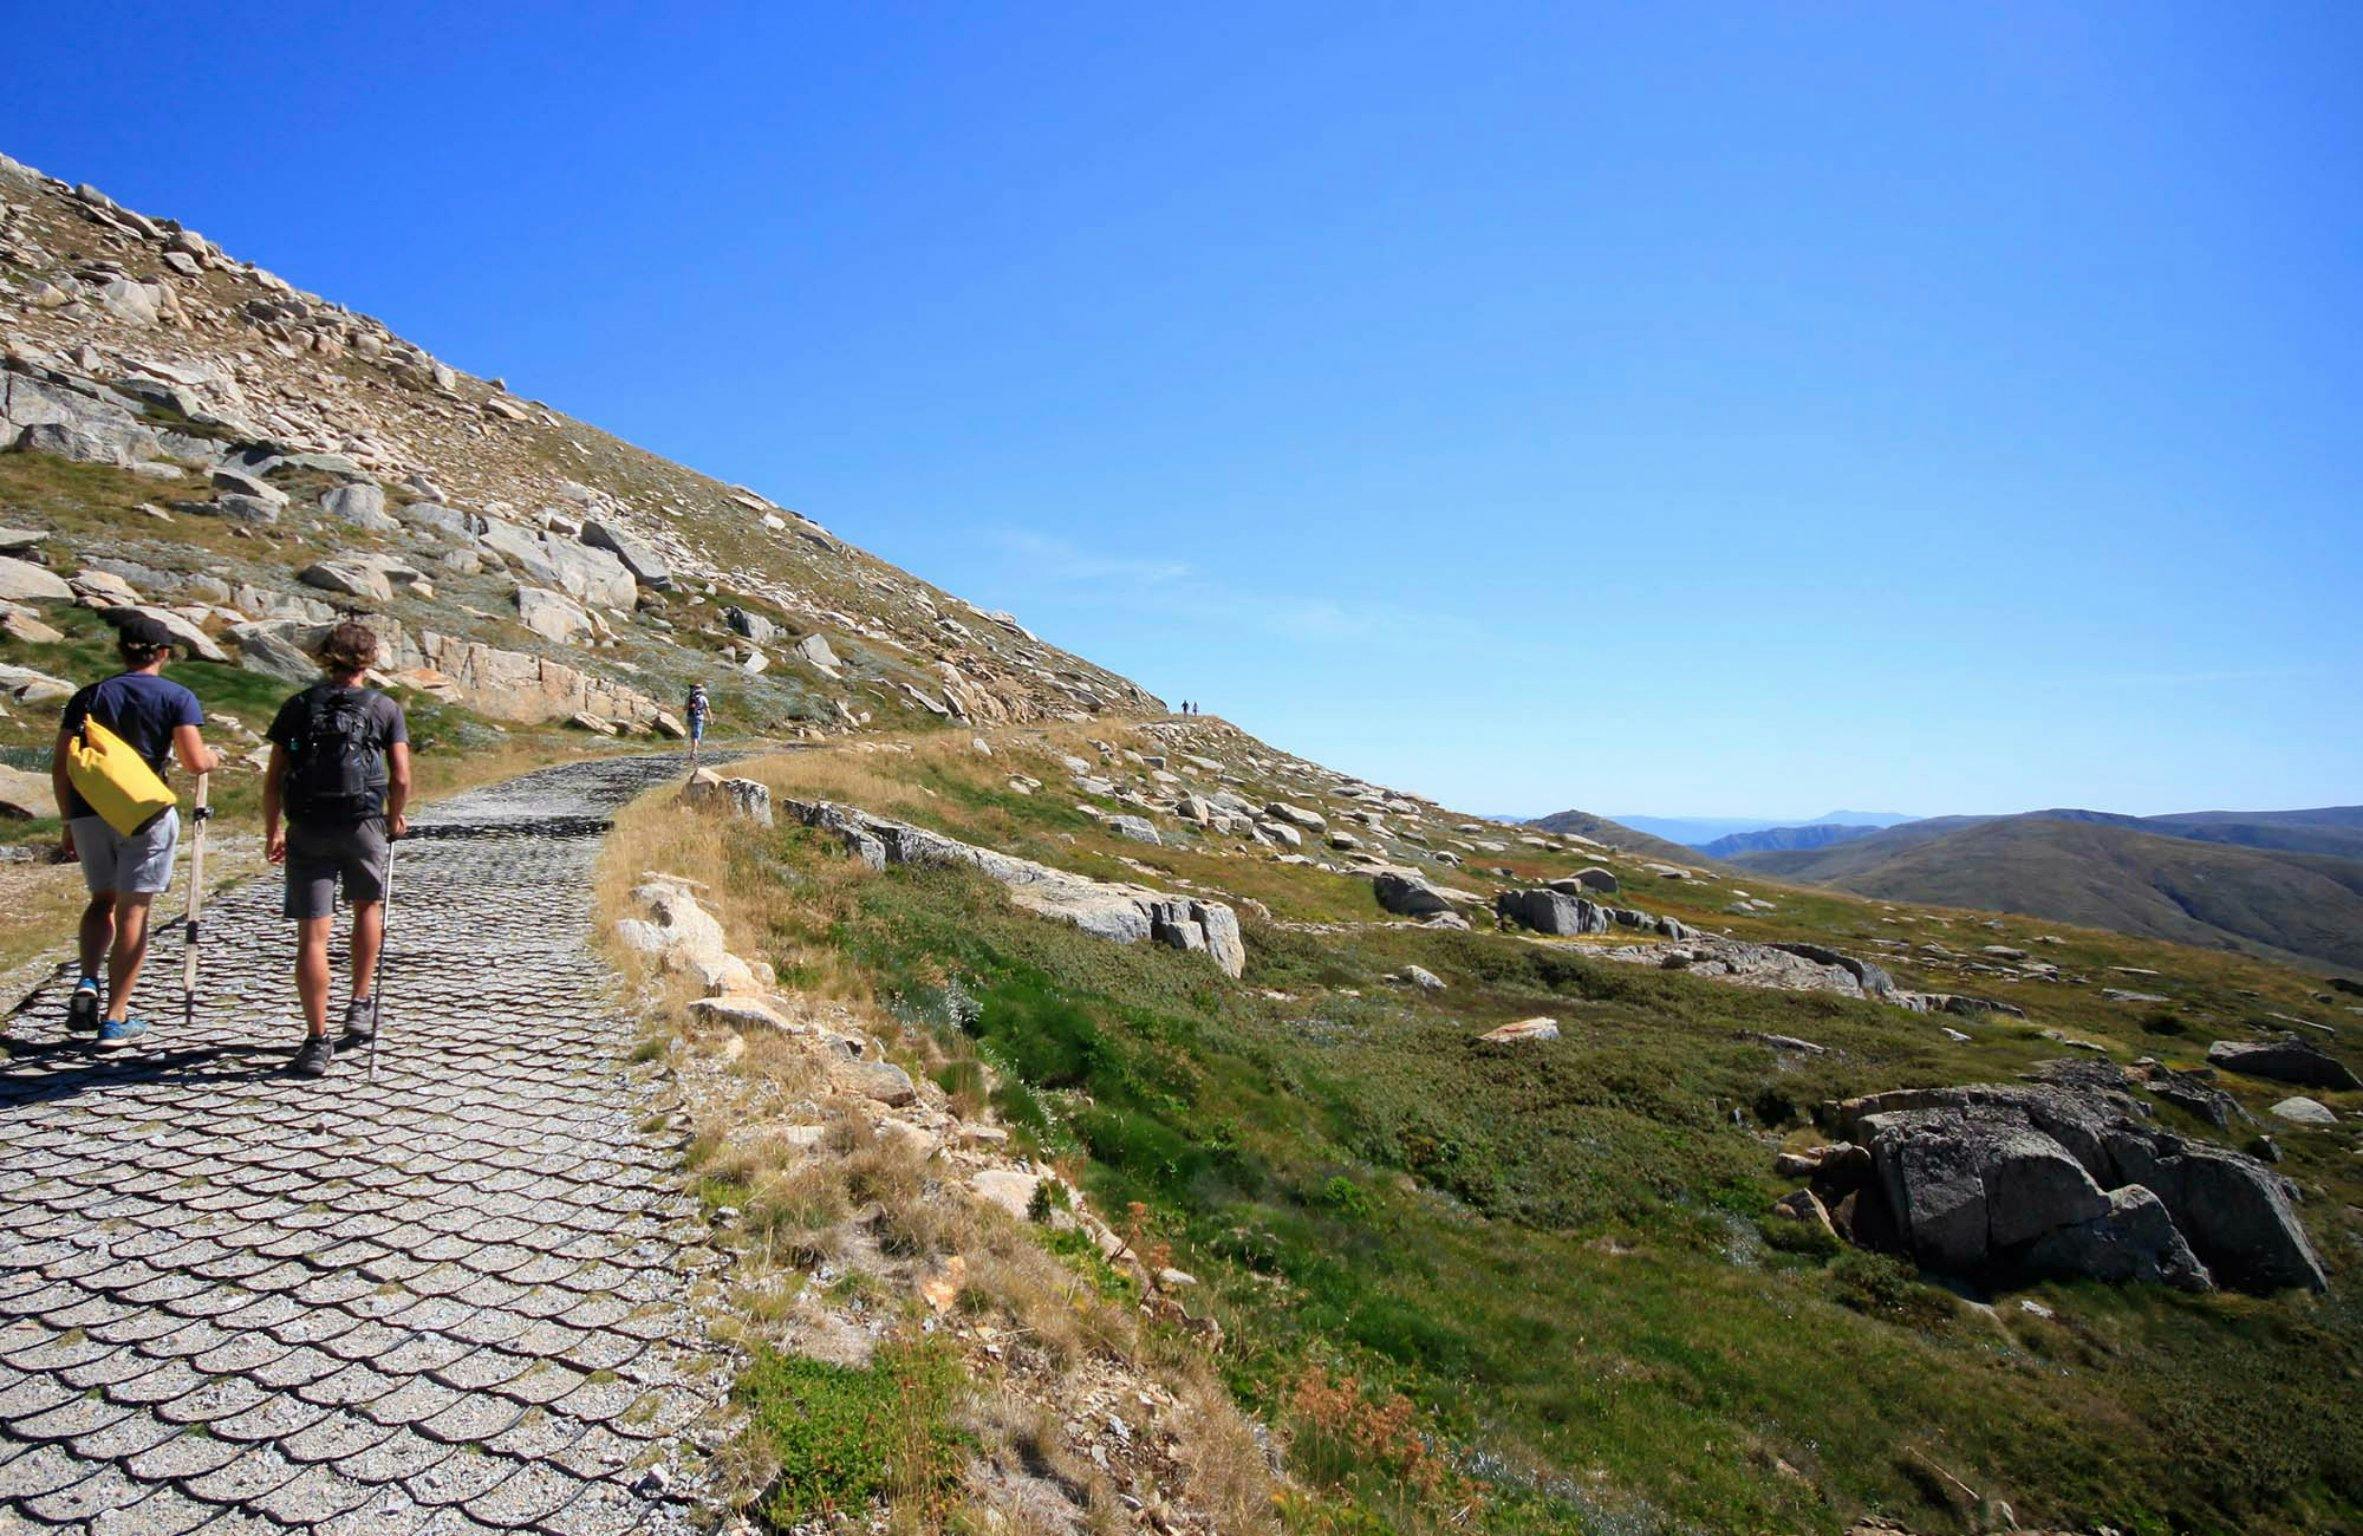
2159, 877
1616, 835
1819, 834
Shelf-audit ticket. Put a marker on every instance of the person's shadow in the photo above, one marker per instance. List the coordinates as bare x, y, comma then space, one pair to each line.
45, 1071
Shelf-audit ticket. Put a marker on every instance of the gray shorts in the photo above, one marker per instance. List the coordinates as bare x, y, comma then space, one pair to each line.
138, 865
320, 858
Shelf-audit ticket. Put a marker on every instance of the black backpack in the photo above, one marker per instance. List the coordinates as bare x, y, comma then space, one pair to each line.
336, 769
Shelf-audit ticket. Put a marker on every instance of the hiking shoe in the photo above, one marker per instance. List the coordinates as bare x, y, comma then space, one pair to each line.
82, 1008
115, 1034
315, 1059
360, 1021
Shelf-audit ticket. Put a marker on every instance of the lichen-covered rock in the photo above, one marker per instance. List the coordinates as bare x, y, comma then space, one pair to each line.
1405, 894
1127, 914
1550, 911
2287, 1060
2133, 1240
1997, 1180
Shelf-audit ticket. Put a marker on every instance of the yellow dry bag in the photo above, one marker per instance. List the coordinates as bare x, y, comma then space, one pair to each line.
115, 781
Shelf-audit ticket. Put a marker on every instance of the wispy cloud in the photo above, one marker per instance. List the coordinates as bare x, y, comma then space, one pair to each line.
1057, 560
1178, 591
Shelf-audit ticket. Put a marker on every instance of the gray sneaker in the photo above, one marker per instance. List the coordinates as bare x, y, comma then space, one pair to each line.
360, 1021
315, 1059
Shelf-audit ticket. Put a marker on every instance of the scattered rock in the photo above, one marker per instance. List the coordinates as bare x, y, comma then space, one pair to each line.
1871, 979
25, 795
746, 799
23, 685
2304, 1111
1007, 1188
880, 1080
638, 556
752, 625
363, 504
239, 483
1138, 828
21, 625
1126, 914
552, 615
350, 578
1805, 1206
21, 581
1554, 912
1404, 893
1523, 1030
2283, 1061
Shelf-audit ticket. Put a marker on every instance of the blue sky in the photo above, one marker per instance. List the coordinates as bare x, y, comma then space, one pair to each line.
1738, 410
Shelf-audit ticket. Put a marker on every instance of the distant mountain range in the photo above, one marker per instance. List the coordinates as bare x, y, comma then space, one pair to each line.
1699, 831
2287, 884
1814, 834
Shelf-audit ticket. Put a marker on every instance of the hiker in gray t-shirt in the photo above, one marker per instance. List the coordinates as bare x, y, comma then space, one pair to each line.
340, 773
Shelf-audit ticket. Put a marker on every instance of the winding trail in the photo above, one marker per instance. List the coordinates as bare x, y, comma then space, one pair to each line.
233, 1301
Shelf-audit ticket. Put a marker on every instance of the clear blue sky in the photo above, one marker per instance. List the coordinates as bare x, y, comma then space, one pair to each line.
1737, 409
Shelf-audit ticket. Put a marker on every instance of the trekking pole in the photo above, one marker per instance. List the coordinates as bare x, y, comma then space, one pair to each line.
377, 988
200, 813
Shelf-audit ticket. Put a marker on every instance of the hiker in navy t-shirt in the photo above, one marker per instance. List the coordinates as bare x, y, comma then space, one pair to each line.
159, 720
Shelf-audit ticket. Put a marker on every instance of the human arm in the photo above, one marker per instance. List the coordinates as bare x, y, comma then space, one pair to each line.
274, 836
397, 788
195, 756
63, 788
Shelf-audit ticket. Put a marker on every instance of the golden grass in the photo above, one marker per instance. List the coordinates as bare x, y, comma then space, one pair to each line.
876, 1205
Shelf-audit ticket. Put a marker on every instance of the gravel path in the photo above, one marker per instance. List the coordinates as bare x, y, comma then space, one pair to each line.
232, 1301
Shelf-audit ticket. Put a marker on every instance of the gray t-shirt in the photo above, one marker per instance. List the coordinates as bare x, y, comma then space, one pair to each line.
386, 725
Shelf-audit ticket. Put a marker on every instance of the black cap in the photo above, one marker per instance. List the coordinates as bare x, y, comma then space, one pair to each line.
143, 630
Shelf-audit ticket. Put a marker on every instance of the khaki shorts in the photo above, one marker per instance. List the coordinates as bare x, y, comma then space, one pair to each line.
138, 865
320, 858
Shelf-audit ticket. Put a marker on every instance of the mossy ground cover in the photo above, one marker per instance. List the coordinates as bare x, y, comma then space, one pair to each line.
840, 1436
1559, 1255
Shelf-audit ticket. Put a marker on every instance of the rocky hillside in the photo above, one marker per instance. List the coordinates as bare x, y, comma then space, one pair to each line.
207, 440
1359, 1164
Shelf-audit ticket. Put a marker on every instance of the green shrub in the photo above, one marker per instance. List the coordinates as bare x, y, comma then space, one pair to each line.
842, 1437
1879, 1285
1809, 1239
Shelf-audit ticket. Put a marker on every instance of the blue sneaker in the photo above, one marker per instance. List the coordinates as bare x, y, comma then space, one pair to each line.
115, 1034
82, 1008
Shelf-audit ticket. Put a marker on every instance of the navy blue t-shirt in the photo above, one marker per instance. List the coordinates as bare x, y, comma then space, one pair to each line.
141, 708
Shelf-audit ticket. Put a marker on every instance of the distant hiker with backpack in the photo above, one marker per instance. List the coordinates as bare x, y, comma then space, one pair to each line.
700, 709
340, 776
122, 821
